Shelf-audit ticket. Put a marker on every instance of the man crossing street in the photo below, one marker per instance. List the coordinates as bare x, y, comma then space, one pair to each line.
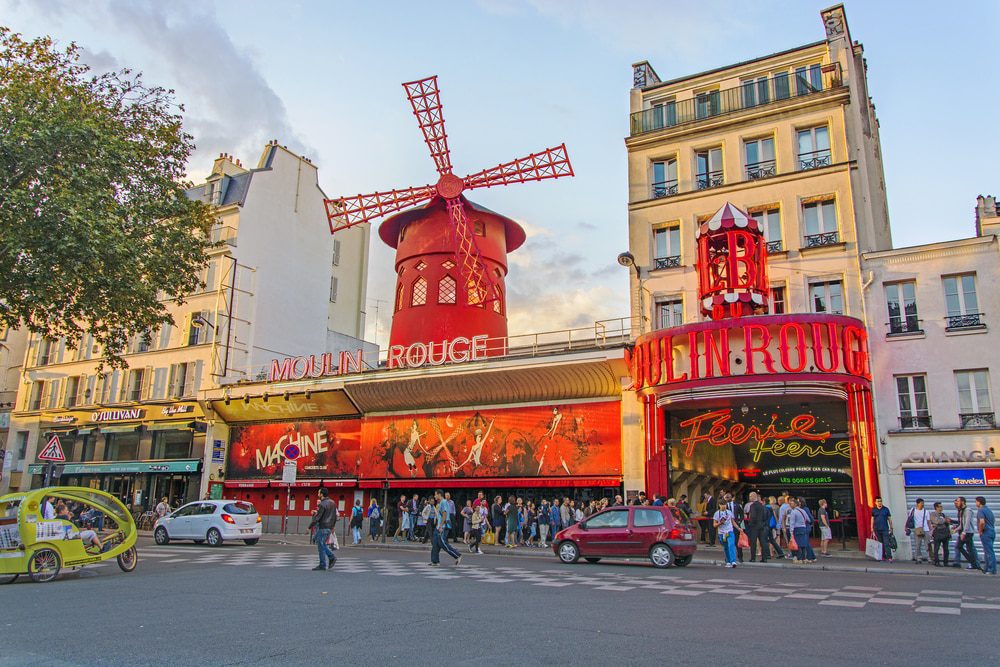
442, 524
324, 521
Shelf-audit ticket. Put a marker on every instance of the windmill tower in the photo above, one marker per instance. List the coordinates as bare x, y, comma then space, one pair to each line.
451, 254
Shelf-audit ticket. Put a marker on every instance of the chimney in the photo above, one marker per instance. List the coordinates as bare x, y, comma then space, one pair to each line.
987, 216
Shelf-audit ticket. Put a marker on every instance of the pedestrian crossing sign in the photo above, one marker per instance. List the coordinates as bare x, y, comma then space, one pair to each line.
53, 451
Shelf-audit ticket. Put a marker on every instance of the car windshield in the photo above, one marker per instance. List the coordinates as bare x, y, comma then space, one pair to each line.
239, 508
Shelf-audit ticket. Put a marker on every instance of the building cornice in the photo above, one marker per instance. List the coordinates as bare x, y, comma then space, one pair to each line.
971, 246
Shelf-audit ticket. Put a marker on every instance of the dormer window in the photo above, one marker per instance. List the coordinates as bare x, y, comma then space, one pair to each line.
215, 192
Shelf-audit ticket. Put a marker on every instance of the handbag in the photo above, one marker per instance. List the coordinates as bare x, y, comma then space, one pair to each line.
873, 549
892, 542
489, 537
792, 544
743, 542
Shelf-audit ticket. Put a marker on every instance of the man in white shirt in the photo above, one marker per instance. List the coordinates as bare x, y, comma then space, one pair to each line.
918, 525
48, 509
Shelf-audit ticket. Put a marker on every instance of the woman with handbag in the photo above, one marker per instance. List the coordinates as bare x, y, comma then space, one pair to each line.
798, 523
723, 522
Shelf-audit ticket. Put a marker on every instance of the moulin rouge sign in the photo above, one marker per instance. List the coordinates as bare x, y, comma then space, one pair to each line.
752, 346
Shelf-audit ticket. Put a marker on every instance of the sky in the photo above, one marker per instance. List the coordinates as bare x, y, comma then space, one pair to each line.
517, 76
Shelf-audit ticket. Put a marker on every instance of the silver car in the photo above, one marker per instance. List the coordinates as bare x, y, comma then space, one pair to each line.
212, 521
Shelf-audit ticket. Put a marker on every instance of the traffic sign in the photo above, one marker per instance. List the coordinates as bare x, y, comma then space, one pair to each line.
289, 472
53, 451
291, 452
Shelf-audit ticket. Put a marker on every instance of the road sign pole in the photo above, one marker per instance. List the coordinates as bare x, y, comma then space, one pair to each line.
49, 468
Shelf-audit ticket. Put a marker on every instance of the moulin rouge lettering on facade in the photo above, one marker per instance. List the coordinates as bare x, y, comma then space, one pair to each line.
299, 368
721, 350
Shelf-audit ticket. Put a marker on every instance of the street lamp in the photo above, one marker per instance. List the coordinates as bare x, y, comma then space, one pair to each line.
627, 260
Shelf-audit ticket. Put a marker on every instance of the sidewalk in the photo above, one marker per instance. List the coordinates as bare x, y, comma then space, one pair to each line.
839, 560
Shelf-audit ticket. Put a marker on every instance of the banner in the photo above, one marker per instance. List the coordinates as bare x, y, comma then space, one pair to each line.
327, 448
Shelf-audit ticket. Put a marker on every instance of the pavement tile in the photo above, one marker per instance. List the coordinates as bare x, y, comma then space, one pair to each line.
850, 594
732, 591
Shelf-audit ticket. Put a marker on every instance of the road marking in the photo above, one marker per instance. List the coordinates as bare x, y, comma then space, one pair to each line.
682, 592
933, 592
732, 591
614, 588
807, 596
848, 594
927, 598
954, 611
760, 598
843, 603
175, 560
900, 601
978, 605
552, 583
860, 588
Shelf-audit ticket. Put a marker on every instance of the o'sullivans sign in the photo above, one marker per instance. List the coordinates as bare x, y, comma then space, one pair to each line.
751, 346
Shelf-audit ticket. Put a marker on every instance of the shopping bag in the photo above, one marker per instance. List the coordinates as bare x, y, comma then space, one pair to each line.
792, 544
332, 541
873, 548
489, 537
744, 541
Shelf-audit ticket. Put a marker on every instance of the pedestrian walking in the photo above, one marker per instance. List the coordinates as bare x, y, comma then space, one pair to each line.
757, 528
544, 521
403, 517
941, 534
918, 526
737, 511
374, 519
510, 515
722, 521
414, 509
478, 523
426, 521
163, 508
965, 530
452, 518
565, 513
881, 528
771, 510
467, 521
555, 518
711, 505
324, 521
825, 532
800, 523
987, 534
783, 508
442, 519
497, 519
357, 521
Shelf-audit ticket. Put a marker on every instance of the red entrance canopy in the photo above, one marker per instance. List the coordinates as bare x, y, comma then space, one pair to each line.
493, 482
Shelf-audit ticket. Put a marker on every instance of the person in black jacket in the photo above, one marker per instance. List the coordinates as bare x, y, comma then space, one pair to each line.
324, 521
757, 528
711, 505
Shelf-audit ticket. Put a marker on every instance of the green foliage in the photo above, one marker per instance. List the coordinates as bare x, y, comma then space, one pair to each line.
94, 226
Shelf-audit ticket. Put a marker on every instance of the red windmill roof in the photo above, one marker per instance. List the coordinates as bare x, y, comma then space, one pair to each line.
728, 217
388, 231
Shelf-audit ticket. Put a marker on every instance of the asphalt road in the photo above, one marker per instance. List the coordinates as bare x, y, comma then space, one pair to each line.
263, 605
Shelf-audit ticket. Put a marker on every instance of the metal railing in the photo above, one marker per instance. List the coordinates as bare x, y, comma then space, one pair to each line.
671, 262
775, 246
904, 325
223, 234
761, 169
730, 100
915, 421
815, 159
712, 179
664, 189
966, 321
819, 240
978, 419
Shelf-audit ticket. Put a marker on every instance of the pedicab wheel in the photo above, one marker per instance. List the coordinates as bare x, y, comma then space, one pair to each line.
160, 536
683, 561
661, 555
127, 560
8, 578
251, 541
592, 560
44, 565
214, 537
568, 552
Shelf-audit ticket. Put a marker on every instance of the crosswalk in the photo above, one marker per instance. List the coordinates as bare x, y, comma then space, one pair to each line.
675, 585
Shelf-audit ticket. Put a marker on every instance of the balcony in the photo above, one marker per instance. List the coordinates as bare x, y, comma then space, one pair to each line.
815, 160
775, 90
664, 189
667, 262
712, 179
966, 321
904, 326
823, 239
915, 422
221, 234
759, 170
974, 420
774, 246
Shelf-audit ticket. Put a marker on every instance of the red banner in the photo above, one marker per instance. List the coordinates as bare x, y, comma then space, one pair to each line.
327, 448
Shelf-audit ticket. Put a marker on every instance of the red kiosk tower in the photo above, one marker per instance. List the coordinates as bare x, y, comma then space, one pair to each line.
451, 254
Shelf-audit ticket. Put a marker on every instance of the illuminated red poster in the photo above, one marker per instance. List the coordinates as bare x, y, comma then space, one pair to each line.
559, 441
992, 476
327, 448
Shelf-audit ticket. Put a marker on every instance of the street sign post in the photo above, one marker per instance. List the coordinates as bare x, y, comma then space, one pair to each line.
288, 475
51, 453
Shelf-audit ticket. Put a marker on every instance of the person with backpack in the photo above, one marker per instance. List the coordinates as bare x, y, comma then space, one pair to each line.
374, 519
770, 512
357, 520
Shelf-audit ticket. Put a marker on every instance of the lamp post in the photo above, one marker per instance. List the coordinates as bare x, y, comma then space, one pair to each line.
627, 260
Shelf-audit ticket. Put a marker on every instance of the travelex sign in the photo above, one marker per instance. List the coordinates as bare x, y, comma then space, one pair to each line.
956, 477
751, 346
434, 353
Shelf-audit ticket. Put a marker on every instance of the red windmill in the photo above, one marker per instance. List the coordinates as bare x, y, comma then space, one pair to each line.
451, 254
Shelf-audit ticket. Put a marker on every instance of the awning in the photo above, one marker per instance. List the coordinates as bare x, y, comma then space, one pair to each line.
247, 484
123, 428
169, 426
319, 404
499, 482
116, 467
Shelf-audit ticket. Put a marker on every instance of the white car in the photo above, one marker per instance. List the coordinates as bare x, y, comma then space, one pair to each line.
212, 521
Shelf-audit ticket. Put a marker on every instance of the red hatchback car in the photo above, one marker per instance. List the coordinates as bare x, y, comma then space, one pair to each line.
664, 535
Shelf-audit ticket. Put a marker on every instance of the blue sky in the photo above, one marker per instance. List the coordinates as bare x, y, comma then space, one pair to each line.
520, 75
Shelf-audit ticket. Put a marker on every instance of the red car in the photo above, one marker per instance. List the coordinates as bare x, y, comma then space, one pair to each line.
664, 535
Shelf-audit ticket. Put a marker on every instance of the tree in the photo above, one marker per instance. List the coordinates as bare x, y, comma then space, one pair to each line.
95, 227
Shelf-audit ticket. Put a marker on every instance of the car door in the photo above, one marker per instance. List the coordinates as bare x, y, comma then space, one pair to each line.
648, 524
605, 533
178, 524
202, 520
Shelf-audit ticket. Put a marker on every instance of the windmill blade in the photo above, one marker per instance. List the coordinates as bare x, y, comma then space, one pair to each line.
426, 103
480, 288
550, 163
349, 211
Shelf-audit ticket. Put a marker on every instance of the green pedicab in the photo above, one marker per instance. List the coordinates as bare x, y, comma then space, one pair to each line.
39, 547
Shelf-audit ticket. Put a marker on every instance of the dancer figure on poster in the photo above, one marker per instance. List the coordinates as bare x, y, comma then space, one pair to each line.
477, 449
550, 434
411, 462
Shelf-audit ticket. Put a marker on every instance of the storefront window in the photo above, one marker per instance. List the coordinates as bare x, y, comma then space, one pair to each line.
172, 444
121, 447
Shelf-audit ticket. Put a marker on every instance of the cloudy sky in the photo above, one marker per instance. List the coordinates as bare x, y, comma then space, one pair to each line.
520, 75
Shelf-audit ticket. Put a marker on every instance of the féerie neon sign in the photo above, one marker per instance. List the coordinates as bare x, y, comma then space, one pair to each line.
716, 429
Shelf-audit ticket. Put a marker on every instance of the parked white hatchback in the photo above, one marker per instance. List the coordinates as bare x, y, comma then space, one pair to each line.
212, 521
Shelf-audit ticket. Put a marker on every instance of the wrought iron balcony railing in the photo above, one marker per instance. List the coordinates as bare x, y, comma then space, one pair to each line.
774, 246
915, 421
904, 325
712, 179
819, 240
713, 104
978, 419
761, 170
664, 189
815, 160
671, 262
966, 321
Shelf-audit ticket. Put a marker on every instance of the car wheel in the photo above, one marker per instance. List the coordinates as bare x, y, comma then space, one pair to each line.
44, 565
683, 561
251, 542
160, 536
214, 537
8, 578
661, 555
592, 560
198, 541
127, 560
569, 552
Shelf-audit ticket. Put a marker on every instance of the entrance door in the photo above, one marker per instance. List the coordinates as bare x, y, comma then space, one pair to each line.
607, 533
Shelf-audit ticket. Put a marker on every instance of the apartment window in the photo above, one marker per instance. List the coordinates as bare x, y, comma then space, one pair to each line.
177, 380
781, 87
666, 247
669, 313
109, 387
139, 342
72, 391
664, 114
770, 221
199, 327
961, 301
664, 178
172, 444
902, 302
333, 289
399, 297
164, 336
121, 447
447, 290
974, 405
37, 396
759, 155
46, 352
820, 219
808, 79
911, 394
827, 297
755, 91
215, 192
778, 305
336, 252
814, 148
706, 104
708, 165
136, 380
22, 444
418, 297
